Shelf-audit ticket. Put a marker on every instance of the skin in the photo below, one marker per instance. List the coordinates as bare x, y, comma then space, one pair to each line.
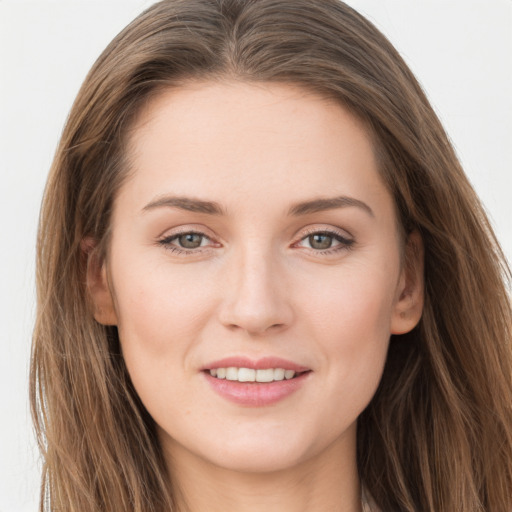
258, 285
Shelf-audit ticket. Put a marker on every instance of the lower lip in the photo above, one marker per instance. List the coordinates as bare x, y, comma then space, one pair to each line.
256, 394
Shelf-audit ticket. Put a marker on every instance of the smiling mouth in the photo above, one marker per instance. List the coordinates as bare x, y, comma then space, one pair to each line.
265, 375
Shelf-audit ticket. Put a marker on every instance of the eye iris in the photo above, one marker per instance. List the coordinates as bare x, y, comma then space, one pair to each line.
320, 241
190, 240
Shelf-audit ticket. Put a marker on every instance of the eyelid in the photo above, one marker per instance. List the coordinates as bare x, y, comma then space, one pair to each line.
345, 239
343, 233
330, 230
168, 236
186, 228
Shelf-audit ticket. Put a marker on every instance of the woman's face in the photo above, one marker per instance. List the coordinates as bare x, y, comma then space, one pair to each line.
253, 232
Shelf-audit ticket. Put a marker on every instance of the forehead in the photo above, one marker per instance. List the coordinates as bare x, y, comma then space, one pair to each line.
233, 140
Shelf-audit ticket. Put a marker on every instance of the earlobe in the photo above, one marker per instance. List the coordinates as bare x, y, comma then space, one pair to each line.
98, 288
409, 304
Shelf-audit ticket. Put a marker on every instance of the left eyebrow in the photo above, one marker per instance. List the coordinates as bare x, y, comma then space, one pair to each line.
323, 204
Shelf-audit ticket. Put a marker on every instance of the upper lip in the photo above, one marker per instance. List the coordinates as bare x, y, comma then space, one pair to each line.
258, 364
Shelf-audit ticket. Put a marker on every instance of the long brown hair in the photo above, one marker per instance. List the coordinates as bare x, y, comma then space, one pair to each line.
437, 436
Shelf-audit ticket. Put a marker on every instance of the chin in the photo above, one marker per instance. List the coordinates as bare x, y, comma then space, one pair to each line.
259, 459
248, 452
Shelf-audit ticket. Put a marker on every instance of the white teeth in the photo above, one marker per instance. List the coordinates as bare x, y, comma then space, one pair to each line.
246, 375
265, 375
231, 373
251, 375
289, 374
279, 373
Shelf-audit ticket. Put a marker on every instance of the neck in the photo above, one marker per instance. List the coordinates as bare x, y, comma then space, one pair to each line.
327, 481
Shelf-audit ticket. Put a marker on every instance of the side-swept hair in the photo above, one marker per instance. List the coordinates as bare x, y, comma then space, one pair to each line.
437, 436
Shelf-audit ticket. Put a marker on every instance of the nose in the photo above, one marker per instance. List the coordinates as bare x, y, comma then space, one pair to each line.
255, 295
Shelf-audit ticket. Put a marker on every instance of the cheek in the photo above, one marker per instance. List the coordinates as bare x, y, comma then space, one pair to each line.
160, 318
353, 302
161, 315
157, 308
351, 320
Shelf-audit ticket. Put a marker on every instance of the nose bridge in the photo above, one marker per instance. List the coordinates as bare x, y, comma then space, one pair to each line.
255, 298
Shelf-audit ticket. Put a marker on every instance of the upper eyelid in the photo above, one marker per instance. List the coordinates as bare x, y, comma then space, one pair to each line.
309, 231
207, 233
342, 233
177, 231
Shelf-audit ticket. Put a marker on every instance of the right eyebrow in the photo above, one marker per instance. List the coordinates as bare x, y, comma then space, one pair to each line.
185, 203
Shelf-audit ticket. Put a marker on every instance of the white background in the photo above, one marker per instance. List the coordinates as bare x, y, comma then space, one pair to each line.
461, 51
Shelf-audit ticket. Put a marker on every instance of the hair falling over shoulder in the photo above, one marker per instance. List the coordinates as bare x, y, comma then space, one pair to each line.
437, 436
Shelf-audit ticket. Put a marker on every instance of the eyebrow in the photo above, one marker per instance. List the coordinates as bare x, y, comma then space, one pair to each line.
186, 203
323, 204
212, 208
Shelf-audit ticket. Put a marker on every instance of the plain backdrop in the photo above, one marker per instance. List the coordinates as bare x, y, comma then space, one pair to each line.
460, 51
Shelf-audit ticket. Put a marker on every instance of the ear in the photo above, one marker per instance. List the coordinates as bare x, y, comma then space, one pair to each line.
409, 299
98, 286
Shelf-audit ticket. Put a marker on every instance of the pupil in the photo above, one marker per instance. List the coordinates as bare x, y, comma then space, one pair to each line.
320, 241
190, 240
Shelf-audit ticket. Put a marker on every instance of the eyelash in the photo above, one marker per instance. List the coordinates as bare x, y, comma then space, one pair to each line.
345, 244
166, 243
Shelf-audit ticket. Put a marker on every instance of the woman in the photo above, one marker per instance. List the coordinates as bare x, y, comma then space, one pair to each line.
262, 276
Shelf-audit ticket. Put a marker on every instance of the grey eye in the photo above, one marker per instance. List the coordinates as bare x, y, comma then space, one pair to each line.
190, 240
320, 241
